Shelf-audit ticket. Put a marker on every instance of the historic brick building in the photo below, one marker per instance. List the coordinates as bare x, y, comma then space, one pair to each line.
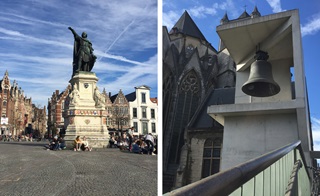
120, 112
39, 120
17, 111
56, 107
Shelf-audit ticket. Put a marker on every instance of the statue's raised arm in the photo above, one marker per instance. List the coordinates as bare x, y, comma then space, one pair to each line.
73, 32
83, 57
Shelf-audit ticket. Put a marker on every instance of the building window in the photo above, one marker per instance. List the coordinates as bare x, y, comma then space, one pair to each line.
120, 100
124, 122
109, 109
135, 125
211, 157
144, 112
153, 127
152, 113
143, 97
134, 113
4, 103
121, 110
109, 121
144, 128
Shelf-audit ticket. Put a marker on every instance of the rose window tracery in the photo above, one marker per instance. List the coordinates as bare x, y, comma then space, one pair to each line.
190, 83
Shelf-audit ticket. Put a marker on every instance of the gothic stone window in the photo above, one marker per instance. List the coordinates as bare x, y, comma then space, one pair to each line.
211, 157
190, 83
186, 105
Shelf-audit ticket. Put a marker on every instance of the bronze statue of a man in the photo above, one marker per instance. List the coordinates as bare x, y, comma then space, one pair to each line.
83, 57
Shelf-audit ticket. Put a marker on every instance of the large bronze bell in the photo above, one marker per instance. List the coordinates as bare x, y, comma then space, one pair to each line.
260, 82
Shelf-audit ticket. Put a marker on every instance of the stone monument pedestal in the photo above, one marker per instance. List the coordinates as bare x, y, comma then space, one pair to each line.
85, 112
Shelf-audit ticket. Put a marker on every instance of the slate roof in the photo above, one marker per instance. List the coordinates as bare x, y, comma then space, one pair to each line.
131, 96
244, 15
219, 96
113, 97
255, 12
186, 25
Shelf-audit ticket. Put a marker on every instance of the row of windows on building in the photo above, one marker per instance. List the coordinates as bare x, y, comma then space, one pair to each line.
144, 125
124, 111
144, 113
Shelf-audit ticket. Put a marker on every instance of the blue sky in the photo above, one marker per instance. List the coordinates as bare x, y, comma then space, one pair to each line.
37, 46
207, 15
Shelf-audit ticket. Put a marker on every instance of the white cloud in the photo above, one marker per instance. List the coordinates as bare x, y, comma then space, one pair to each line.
316, 133
171, 16
202, 11
169, 19
275, 5
132, 77
311, 27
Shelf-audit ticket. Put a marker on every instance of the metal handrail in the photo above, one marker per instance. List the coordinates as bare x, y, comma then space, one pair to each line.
224, 183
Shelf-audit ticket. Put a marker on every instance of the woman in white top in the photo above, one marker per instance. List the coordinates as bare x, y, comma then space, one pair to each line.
85, 144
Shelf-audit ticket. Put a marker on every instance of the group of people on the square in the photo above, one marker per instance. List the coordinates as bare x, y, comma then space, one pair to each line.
127, 141
57, 143
81, 145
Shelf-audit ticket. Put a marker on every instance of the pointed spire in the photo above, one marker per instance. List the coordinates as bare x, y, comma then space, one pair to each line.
225, 19
7, 73
255, 13
186, 25
244, 15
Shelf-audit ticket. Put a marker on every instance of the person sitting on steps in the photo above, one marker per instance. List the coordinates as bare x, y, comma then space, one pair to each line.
77, 144
85, 144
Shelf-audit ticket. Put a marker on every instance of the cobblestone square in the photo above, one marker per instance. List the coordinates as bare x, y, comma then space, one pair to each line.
26, 168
